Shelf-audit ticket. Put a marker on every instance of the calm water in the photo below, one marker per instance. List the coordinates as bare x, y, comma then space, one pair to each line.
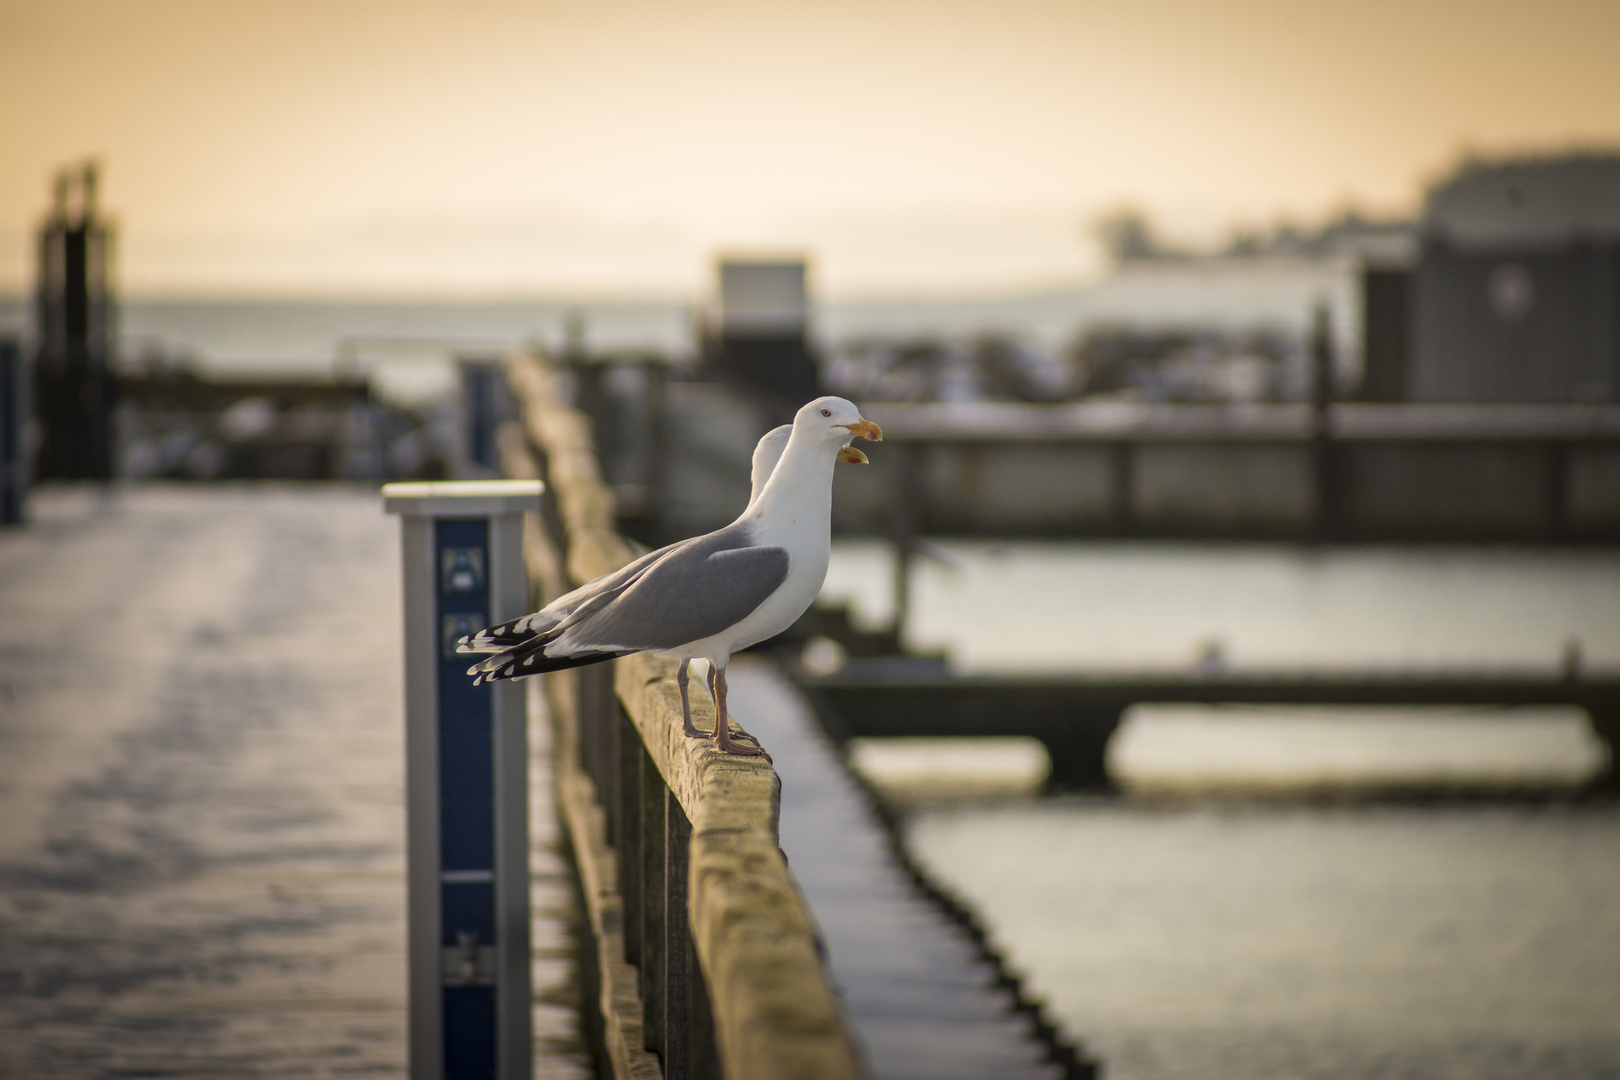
1469, 942
1243, 940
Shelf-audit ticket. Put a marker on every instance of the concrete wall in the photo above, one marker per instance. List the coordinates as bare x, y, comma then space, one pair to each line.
1259, 488
1001, 488
1374, 489
1388, 472
1594, 489
1498, 490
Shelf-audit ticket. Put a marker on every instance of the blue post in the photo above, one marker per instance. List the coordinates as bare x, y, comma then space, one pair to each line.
485, 402
466, 782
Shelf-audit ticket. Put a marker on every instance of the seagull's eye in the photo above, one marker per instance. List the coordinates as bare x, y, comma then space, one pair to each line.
826, 412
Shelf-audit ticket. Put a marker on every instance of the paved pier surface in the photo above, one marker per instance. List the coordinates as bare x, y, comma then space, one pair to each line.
911, 983
201, 801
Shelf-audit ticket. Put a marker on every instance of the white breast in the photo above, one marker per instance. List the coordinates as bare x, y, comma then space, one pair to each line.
793, 512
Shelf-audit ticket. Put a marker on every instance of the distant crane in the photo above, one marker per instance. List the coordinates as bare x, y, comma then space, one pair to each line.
74, 382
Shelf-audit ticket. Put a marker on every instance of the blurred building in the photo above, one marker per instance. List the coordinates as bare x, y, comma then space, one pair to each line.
760, 332
1515, 292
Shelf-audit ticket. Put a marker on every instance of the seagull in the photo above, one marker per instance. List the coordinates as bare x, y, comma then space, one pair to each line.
706, 597
766, 454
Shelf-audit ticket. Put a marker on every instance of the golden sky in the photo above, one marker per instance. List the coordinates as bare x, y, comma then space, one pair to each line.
591, 146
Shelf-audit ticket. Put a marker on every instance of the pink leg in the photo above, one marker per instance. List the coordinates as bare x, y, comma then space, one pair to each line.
722, 735
686, 705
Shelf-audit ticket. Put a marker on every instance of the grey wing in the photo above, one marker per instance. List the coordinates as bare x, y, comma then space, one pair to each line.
691, 595
516, 631
610, 581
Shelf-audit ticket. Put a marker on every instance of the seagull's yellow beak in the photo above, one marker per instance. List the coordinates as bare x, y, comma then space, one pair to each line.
866, 430
851, 456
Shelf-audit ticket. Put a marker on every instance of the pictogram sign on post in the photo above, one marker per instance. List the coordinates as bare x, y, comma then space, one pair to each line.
466, 765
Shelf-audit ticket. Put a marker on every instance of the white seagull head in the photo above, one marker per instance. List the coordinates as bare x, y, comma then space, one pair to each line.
833, 420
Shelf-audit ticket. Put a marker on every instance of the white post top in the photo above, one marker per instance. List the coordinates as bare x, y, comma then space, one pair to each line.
462, 498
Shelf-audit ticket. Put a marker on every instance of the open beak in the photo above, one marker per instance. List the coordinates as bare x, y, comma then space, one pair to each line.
866, 430
851, 456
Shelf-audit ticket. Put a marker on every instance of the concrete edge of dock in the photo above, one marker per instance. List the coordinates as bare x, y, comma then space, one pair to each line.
774, 1010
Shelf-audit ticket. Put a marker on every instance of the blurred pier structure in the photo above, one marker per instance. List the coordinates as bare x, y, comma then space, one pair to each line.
485, 403
1325, 471
14, 428
75, 386
759, 332
1339, 472
1076, 717
178, 426
102, 406
353, 423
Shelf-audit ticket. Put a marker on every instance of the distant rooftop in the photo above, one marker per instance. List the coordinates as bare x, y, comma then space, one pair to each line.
1540, 200
763, 295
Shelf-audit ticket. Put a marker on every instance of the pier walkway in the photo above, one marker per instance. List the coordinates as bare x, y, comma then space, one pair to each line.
201, 809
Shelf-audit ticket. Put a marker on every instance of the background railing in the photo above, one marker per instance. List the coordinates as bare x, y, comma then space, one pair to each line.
703, 960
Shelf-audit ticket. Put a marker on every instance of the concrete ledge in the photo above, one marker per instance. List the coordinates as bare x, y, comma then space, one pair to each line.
581, 813
1002, 422
775, 1012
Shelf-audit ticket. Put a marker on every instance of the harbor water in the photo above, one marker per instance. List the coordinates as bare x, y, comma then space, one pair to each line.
1221, 919
1464, 941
